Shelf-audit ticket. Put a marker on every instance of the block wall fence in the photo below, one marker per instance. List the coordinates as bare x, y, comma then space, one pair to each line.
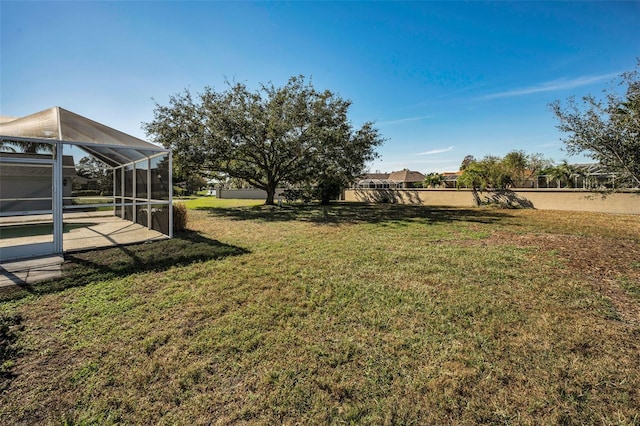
542, 199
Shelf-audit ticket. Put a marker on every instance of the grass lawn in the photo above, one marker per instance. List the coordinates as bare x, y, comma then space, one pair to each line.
349, 314
203, 203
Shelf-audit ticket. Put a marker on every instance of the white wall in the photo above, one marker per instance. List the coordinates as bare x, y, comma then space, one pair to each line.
246, 194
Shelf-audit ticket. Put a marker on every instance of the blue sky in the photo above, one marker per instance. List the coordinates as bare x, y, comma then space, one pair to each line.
442, 80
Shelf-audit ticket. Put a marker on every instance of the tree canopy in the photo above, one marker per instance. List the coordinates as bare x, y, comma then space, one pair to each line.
292, 135
499, 173
606, 130
433, 180
99, 174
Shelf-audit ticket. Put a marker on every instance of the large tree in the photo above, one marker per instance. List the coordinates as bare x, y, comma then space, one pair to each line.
607, 130
271, 136
99, 174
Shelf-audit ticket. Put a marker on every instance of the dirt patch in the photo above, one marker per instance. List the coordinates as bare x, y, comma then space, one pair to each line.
602, 262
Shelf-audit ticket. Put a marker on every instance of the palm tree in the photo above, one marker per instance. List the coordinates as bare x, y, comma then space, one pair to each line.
562, 173
6, 146
433, 180
26, 147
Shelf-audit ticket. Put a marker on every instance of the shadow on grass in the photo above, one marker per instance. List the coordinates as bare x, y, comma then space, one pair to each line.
10, 326
352, 213
81, 268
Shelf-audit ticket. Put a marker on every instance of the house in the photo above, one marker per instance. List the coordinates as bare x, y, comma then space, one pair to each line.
407, 179
25, 185
374, 181
394, 180
450, 179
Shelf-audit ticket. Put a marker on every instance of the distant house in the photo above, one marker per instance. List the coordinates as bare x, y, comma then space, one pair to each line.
451, 179
21, 181
585, 176
401, 179
407, 179
375, 181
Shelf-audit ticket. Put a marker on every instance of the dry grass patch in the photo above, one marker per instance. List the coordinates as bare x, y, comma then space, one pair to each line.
346, 314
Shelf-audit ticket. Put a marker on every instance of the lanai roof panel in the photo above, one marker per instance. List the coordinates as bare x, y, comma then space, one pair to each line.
57, 123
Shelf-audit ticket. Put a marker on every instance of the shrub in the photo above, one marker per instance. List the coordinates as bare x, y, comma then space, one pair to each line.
179, 217
305, 195
324, 192
327, 190
86, 193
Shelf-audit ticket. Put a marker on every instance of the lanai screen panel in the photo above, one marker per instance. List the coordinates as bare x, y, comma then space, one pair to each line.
129, 172
26, 187
142, 189
160, 193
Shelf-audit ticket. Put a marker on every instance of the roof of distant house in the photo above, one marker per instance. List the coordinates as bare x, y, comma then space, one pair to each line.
406, 176
35, 170
375, 176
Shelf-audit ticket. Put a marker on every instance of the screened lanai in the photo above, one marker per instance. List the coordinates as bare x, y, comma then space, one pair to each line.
71, 183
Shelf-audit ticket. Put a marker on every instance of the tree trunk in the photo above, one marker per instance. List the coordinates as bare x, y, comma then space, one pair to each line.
270, 197
325, 199
271, 194
476, 196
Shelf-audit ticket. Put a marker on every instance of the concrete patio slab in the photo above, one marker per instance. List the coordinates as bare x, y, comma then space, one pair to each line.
28, 271
87, 232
